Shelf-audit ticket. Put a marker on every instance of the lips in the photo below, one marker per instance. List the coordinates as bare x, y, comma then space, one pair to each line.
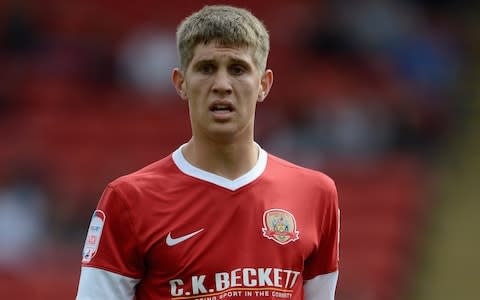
221, 107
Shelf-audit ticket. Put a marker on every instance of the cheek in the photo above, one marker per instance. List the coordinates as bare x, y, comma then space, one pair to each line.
201, 86
250, 88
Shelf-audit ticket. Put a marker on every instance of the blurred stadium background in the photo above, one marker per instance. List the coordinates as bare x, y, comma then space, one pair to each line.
381, 95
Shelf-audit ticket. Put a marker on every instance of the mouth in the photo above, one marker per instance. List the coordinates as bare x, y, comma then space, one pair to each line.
221, 107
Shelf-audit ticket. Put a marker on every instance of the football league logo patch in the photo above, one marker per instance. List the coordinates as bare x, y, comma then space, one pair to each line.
279, 225
93, 236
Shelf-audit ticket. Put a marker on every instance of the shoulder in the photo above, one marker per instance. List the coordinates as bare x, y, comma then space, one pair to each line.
312, 190
296, 173
142, 179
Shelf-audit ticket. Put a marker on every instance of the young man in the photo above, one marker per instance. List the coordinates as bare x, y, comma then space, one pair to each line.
219, 218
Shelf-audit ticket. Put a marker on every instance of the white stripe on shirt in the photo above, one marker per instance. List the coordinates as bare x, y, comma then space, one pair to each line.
321, 287
100, 284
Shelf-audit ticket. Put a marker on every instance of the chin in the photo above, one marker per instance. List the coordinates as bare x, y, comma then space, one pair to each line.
224, 132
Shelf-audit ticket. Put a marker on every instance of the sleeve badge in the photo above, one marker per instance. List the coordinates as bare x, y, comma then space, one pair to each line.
93, 236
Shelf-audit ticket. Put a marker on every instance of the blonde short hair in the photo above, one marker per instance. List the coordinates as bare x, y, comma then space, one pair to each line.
227, 26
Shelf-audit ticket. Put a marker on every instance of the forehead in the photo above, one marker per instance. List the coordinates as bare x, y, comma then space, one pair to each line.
214, 52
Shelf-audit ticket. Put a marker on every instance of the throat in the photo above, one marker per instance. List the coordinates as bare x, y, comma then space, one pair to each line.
228, 162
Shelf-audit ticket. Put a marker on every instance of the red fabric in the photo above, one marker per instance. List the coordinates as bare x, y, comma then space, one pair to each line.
143, 208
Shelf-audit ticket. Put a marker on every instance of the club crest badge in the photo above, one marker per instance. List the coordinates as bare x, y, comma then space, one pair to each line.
279, 225
93, 236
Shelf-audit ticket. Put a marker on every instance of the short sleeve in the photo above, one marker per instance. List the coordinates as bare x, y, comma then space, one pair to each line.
111, 242
325, 257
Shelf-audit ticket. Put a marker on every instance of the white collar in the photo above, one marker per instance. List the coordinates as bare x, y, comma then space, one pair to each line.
232, 185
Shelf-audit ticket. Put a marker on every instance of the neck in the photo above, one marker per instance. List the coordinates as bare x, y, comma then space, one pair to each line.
229, 160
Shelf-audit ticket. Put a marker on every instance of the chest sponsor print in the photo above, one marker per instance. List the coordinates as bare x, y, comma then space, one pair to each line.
241, 283
280, 226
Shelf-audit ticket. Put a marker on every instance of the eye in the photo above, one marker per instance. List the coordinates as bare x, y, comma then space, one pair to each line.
206, 68
237, 69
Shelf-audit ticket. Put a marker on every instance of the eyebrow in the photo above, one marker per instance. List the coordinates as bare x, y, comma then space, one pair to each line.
239, 61
214, 62
203, 62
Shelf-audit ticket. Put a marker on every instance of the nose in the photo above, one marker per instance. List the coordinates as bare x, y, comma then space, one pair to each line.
222, 85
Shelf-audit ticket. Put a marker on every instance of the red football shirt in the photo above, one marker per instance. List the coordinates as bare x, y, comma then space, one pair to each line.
174, 231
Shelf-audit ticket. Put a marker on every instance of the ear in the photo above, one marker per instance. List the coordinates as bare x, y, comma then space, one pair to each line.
178, 80
266, 83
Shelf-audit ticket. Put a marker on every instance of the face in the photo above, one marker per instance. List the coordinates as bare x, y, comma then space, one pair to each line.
222, 86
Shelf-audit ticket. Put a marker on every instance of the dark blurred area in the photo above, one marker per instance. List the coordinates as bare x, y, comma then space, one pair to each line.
380, 95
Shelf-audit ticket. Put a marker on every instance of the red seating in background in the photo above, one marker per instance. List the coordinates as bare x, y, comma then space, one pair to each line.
382, 206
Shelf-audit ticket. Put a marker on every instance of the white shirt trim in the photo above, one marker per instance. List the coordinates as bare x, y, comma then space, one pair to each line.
100, 284
232, 185
321, 287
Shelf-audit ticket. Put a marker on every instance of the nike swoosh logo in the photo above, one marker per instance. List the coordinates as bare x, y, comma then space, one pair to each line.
173, 241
